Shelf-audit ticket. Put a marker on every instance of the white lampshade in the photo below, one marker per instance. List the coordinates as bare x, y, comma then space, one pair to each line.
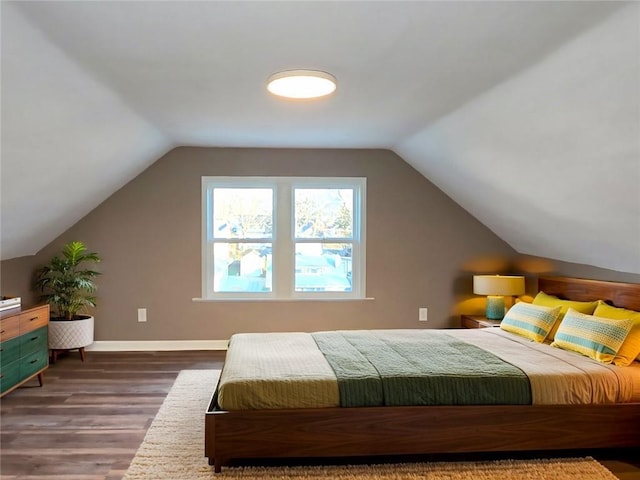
498, 285
301, 84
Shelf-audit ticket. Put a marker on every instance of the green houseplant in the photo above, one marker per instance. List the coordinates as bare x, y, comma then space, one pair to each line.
67, 284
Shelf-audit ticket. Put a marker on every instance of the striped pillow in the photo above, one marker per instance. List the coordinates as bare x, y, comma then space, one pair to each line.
596, 337
530, 321
630, 349
553, 301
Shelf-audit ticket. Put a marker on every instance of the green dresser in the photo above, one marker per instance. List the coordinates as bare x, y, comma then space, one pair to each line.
24, 352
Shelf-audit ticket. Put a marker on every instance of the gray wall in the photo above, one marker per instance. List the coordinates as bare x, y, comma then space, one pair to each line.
422, 250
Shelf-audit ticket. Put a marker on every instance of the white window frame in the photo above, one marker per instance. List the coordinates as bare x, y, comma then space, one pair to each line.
283, 273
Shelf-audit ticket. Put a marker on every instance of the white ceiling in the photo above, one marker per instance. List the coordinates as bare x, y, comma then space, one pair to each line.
525, 113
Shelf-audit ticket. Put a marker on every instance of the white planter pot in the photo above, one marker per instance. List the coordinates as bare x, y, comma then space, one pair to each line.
69, 335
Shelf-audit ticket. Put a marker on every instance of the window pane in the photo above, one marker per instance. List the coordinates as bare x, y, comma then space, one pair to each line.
323, 267
323, 212
242, 212
242, 267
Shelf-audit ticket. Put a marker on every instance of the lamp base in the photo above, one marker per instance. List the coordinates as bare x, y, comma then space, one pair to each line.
495, 307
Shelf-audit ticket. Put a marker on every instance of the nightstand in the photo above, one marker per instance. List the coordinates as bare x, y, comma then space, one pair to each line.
477, 321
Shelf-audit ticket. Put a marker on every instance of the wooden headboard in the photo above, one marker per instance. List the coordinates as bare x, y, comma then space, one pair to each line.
626, 295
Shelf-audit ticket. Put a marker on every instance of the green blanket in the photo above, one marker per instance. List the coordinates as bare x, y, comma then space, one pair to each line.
428, 367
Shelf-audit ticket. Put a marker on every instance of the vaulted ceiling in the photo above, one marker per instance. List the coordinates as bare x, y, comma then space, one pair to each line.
525, 113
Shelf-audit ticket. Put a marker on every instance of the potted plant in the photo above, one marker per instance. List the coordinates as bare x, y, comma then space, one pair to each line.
68, 286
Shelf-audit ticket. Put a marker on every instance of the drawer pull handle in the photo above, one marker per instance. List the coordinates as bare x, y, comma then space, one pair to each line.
33, 338
34, 361
1, 375
2, 331
32, 319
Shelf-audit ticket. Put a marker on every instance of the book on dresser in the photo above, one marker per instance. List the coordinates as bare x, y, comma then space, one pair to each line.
24, 350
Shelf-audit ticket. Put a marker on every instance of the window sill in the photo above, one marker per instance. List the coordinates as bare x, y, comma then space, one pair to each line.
268, 300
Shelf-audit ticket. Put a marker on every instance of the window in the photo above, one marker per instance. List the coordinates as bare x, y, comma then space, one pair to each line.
283, 237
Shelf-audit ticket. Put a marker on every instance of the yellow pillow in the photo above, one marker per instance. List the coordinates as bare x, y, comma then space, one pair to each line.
595, 337
630, 349
530, 321
552, 301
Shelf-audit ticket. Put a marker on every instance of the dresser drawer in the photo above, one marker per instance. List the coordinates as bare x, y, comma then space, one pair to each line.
33, 319
9, 375
24, 349
33, 363
9, 328
33, 341
9, 351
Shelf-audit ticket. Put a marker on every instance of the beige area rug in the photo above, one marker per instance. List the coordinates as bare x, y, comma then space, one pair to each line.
173, 450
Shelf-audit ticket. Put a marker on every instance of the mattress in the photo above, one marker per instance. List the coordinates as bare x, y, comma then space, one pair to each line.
287, 370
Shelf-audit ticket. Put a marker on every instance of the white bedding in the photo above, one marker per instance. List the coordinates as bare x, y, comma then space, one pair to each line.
286, 370
558, 376
276, 370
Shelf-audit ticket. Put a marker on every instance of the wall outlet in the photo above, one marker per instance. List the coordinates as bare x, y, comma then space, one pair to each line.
142, 314
422, 314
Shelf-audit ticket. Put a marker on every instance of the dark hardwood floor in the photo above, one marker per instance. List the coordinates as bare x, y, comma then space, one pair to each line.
88, 419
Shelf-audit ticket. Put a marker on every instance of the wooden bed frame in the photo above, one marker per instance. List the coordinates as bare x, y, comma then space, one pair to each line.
373, 431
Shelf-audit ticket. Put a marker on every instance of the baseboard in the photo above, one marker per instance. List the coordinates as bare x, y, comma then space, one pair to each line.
156, 345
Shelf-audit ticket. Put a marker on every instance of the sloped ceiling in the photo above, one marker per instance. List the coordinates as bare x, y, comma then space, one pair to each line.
525, 113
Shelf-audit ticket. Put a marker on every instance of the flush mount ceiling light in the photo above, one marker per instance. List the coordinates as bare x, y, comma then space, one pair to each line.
301, 84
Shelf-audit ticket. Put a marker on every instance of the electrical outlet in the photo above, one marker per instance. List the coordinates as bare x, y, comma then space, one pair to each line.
142, 315
422, 314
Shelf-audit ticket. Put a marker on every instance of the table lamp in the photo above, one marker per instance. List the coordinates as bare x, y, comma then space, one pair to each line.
495, 287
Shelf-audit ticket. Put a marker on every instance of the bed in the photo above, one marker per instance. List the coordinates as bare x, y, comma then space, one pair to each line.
320, 428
